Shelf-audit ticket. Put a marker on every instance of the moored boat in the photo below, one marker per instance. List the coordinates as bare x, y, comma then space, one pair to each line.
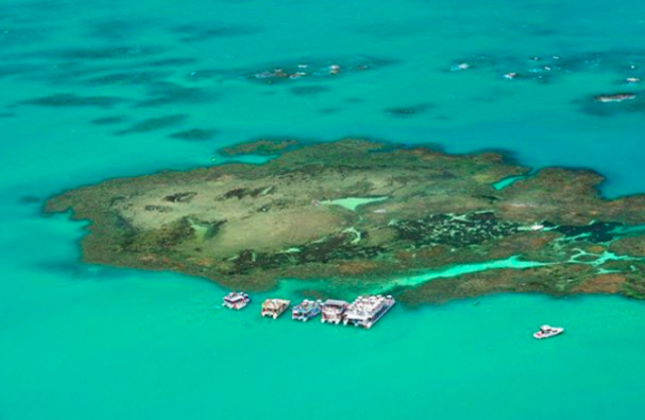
333, 311
236, 300
306, 310
274, 307
547, 331
365, 311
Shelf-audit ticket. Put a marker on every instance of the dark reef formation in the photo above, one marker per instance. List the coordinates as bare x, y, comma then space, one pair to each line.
366, 213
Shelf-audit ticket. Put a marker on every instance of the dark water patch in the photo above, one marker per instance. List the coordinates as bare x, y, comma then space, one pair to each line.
21, 37
308, 90
307, 69
205, 32
168, 93
29, 199
114, 30
408, 111
540, 32
7, 114
116, 119
154, 124
129, 78
173, 62
66, 72
327, 111
17, 69
195, 134
99, 54
72, 100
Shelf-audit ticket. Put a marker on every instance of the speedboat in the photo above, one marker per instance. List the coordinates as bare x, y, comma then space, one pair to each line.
547, 331
236, 300
306, 310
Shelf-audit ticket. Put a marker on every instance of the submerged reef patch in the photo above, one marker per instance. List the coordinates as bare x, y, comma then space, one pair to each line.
195, 134
369, 214
113, 119
168, 93
314, 69
408, 111
207, 31
72, 100
154, 124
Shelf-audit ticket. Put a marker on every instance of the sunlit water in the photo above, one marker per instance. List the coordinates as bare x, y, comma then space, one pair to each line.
80, 341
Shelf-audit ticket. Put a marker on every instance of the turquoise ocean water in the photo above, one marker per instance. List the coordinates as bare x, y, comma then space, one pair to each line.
91, 90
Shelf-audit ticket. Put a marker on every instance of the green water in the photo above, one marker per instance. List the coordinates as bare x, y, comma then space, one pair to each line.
86, 342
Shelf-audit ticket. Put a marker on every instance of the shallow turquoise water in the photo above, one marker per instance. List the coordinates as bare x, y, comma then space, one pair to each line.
80, 341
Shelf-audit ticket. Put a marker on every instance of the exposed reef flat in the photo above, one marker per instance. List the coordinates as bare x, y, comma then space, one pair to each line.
358, 212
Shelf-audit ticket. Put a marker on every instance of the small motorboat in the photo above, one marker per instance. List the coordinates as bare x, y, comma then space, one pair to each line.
236, 300
547, 331
306, 310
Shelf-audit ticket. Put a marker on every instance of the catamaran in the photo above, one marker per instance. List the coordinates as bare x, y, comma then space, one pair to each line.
236, 300
274, 307
365, 311
306, 310
333, 311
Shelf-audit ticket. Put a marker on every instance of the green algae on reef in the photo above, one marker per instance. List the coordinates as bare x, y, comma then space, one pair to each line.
362, 211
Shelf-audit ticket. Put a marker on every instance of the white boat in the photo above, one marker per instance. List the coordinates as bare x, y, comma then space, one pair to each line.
236, 300
365, 311
547, 331
273, 308
333, 311
306, 310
